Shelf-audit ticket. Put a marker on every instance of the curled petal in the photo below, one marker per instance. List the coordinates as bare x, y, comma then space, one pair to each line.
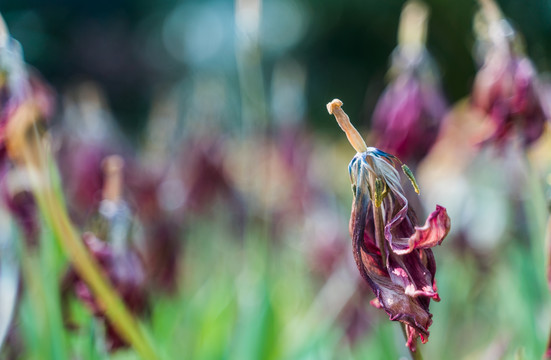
429, 235
412, 335
391, 297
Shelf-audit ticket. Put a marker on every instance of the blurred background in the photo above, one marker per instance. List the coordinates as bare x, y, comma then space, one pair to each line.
134, 49
235, 185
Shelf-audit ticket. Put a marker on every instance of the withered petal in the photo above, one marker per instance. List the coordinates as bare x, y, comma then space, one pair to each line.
429, 235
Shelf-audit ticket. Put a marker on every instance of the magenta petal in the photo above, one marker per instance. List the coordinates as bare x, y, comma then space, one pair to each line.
390, 295
403, 281
429, 235
412, 311
412, 275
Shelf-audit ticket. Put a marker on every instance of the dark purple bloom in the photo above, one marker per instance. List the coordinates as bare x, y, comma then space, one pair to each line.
116, 256
126, 273
506, 87
506, 90
408, 115
88, 136
80, 167
403, 281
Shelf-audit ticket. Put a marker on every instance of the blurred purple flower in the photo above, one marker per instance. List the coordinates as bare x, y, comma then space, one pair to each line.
403, 279
162, 229
409, 112
127, 275
80, 167
506, 89
205, 176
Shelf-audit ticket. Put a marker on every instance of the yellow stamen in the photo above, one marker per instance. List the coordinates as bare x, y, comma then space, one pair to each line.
354, 137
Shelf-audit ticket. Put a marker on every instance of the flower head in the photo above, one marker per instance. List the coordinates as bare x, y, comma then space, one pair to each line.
409, 112
118, 260
126, 272
506, 87
391, 251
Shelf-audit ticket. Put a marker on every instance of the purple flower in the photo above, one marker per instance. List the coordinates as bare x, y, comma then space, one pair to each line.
409, 112
408, 115
126, 272
391, 251
402, 274
506, 90
506, 87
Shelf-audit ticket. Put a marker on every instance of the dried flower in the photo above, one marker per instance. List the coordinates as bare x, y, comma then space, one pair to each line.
506, 88
392, 253
125, 271
409, 112
119, 262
